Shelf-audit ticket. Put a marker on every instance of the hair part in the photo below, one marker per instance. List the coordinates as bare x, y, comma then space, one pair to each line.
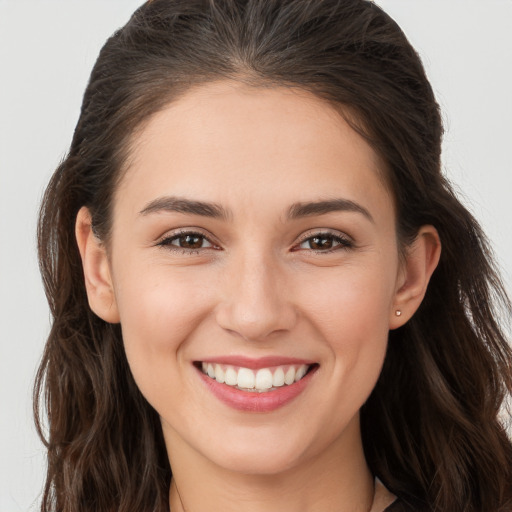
430, 428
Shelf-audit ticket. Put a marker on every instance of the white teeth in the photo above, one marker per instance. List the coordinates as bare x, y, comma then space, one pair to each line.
264, 379
300, 373
278, 378
230, 377
245, 378
219, 373
289, 377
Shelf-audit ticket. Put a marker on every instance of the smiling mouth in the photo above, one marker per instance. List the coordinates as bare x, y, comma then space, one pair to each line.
261, 380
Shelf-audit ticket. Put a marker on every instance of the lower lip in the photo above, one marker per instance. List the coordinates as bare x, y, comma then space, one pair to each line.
248, 401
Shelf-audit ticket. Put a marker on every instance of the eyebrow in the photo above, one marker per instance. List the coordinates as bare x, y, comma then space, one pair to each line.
216, 211
298, 210
182, 205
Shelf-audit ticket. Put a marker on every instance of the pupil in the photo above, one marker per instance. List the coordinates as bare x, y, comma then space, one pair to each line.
321, 243
191, 241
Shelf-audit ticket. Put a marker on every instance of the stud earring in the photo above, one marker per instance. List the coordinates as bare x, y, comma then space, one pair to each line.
398, 312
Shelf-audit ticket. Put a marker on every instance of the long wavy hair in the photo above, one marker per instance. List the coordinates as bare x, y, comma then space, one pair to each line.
431, 428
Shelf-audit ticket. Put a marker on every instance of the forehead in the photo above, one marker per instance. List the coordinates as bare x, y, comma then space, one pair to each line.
229, 138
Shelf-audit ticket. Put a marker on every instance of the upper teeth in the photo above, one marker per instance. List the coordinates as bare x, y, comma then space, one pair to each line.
263, 379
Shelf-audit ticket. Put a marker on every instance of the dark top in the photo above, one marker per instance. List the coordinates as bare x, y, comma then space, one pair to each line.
398, 506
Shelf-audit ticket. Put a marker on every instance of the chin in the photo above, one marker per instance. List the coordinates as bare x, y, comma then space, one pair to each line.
258, 462
267, 450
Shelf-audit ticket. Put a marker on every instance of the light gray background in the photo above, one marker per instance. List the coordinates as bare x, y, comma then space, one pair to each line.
47, 48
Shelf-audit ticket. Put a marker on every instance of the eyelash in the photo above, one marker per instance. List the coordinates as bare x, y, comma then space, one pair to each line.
167, 242
343, 242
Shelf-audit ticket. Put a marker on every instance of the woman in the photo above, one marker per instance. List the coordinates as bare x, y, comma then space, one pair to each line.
261, 281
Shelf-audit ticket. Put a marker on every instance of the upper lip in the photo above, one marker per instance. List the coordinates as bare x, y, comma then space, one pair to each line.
256, 363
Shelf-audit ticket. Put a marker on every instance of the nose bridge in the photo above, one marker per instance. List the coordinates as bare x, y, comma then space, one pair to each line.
256, 300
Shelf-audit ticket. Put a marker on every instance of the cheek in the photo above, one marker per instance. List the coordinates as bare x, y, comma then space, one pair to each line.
352, 317
350, 302
160, 300
158, 311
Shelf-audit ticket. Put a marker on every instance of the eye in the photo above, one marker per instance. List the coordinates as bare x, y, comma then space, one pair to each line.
325, 242
188, 241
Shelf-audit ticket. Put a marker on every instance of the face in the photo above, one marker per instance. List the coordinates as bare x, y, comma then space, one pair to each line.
254, 240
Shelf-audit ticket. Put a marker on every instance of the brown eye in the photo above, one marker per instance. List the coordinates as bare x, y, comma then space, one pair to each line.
325, 242
320, 243
187, 241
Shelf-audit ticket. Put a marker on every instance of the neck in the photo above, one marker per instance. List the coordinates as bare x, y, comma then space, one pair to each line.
336, 479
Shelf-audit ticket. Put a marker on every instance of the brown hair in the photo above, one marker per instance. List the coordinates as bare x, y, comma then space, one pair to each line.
430, 428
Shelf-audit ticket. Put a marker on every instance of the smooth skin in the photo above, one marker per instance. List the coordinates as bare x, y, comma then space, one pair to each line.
255, 276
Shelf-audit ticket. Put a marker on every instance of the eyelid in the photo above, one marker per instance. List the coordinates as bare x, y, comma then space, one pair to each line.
324, 231
165, 240
346, 241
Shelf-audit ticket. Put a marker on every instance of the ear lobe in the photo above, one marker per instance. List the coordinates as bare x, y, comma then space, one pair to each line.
98, 280
421, 260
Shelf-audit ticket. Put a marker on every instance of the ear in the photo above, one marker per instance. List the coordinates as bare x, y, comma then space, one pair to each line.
421, 260
98, 279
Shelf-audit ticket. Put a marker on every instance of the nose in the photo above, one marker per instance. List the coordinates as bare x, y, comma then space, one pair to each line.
256, 299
